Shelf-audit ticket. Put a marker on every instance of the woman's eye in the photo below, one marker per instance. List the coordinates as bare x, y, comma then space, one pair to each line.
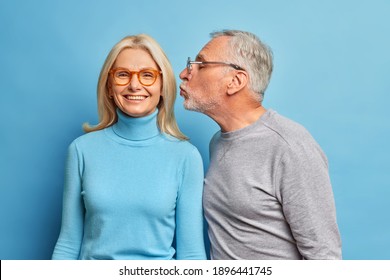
122, 74
147, 74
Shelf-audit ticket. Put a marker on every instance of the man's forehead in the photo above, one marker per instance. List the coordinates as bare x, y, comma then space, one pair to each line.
212, 48
204, 52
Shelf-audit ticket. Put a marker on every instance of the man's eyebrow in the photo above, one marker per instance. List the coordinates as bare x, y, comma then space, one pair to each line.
199, 57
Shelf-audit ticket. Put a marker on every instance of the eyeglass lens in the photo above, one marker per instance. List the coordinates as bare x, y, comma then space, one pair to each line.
189, 66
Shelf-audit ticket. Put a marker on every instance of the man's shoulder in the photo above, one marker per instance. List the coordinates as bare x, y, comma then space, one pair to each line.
284, 128
296, 138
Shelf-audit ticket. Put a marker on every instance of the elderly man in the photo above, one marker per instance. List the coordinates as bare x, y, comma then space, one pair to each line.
267, 192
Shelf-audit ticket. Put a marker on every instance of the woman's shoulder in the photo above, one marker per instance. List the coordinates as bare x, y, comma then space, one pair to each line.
183, 147
89, 139
179, 143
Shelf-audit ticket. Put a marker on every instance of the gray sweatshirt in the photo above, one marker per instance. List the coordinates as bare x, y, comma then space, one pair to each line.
268, 194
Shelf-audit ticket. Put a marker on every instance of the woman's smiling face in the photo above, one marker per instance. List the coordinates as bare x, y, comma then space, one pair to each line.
136, 99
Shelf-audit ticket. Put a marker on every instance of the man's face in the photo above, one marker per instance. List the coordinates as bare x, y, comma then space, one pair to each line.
204, 87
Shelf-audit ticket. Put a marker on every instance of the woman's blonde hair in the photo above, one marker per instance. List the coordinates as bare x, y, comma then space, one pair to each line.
106, 106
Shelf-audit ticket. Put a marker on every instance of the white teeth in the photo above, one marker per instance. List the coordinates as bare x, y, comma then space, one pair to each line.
135, 97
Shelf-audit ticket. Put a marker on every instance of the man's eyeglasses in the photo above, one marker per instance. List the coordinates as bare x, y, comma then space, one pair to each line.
122, 76
190, 62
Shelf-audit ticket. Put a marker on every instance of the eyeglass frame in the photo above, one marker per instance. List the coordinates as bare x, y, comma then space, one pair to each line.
190, 62
154, 71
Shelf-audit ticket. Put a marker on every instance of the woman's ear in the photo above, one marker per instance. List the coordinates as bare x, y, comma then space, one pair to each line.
109, 89
238, 82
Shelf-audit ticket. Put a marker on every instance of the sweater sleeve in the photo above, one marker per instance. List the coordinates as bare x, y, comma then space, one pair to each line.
306, 195
189, 211
71, 234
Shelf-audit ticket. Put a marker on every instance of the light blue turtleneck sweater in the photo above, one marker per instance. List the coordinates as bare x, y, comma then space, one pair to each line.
129, 190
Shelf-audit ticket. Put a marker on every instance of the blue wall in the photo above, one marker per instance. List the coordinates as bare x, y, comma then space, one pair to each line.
332, 67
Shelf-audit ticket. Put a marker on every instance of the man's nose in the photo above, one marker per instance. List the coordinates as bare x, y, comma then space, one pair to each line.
184, 75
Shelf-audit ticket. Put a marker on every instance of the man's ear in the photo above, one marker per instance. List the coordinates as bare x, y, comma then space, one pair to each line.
238, 82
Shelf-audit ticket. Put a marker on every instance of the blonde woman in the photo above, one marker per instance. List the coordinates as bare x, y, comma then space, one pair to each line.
133, 184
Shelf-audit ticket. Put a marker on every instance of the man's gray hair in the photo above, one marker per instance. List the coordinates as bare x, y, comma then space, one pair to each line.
247, 51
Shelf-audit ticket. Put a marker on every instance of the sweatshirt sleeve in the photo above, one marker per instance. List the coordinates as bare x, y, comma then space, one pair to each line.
71, 234
189, 211
306, 195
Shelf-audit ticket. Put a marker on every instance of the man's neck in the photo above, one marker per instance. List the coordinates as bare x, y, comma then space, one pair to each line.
231, 120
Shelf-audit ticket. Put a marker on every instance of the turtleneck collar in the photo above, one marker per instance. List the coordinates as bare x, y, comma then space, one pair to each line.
136, 129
